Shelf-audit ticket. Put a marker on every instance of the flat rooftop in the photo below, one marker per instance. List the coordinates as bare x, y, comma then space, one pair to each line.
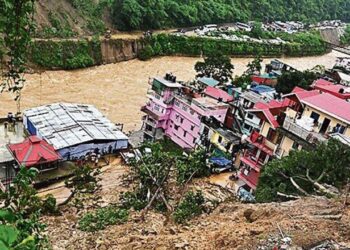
65, 124
10, 135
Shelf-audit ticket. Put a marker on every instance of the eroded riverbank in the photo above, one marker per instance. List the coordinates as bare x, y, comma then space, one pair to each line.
119, 90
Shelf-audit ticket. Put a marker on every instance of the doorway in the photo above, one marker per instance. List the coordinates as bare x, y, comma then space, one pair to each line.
325, 125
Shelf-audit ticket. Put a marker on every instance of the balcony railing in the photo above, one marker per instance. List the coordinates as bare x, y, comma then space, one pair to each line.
262, 143
251, 162
153, 113
301, 132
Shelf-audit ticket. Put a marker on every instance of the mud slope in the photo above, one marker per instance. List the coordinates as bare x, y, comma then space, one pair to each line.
64, 12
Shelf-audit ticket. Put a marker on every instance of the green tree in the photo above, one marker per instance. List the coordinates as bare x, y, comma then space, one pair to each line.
16, 27
254, 66
290, 79
217, 66
192, 166
305, 173
345, 38
22, 201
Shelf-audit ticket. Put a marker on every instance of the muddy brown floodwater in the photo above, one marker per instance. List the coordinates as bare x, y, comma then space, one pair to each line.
119, 90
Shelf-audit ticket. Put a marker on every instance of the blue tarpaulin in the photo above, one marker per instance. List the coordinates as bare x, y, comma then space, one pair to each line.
220, 161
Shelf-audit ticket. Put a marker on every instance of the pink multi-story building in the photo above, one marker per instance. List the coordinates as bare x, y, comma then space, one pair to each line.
176, 111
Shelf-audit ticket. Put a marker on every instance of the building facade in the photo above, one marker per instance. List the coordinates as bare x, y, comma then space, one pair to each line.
175, 111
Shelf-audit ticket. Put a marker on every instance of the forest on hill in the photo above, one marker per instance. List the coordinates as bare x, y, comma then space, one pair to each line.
157, 14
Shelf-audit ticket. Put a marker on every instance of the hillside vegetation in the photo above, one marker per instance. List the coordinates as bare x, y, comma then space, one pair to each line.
70, 18
157, 14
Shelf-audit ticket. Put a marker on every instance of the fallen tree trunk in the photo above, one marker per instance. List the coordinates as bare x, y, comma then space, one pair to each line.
289, 196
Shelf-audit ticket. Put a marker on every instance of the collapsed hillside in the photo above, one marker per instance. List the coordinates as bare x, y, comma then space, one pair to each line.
71, 18
232, 225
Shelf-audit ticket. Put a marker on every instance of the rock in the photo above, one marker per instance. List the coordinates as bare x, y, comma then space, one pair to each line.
173, 230
248, 215
254, 232
182, 245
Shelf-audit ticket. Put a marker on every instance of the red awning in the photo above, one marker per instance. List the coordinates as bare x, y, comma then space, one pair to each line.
34, 151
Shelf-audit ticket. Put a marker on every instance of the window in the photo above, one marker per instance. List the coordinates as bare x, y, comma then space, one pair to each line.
194, 140
220, 139
339, 129
315, 116
176, 127
184, 108
295, 145
247, 127
271, 134
192, 127
181, 120
177, 104
191, 112
185, 133
250, 116
156, 107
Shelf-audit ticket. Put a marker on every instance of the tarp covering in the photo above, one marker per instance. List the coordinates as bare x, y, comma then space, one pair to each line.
220, 161
34, 151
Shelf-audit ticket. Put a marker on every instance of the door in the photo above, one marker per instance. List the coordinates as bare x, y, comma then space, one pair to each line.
324, 126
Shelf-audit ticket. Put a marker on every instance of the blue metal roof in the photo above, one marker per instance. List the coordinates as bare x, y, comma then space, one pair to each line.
209, 81
262, 89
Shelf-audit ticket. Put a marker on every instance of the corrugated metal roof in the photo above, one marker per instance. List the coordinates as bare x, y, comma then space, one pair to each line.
65, 124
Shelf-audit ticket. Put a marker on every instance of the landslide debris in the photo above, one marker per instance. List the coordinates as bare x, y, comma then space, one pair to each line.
231, 225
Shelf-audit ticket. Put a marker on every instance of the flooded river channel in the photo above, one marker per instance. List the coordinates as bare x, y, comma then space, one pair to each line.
119, 90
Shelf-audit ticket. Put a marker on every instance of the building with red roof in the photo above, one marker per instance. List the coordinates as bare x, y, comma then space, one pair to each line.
35, 152
264, 144
218, 94
337, 90
328, 112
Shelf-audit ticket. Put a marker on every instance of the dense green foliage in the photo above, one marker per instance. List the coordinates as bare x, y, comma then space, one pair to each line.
304, 44
216, 66
327, 164
345, 39
103, 217
93, 11
192, 166
156, 14
57, 27
10, 235
66, 54
192, 205
288, 80
22, 201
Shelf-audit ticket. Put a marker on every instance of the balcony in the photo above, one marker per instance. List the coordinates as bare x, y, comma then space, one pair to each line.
153, 113
251, 178
262, 143
309, 136
250, 160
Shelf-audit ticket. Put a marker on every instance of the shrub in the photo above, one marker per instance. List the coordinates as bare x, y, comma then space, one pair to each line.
146, 53
49, 205
84, 179
192, 205
102, 218
136, 200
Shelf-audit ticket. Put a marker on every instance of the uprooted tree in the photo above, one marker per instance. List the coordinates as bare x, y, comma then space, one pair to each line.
322, 171
158, 174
